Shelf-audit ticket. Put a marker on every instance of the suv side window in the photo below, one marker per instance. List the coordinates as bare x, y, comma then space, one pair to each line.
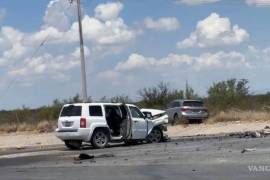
135, 112
71, 110
95, 111
169, 105
176, 104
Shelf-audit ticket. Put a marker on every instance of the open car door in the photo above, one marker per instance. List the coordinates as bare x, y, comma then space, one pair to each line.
139, 123
127, 122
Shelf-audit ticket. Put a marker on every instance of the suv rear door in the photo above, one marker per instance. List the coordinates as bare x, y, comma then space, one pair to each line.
70, 116
194, 108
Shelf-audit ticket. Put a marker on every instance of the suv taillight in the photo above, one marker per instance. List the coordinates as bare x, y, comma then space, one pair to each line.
82, 123
184, 109
205, 110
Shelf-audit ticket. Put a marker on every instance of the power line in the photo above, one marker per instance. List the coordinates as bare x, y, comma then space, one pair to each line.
12, 82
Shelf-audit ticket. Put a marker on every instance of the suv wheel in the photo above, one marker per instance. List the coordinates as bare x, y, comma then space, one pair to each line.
175, 119
100, 139
155, 136
72, 144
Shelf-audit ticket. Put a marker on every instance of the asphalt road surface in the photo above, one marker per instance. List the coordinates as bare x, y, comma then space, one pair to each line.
219, 158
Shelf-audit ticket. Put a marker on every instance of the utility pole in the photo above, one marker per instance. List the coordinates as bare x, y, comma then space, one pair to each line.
83, 72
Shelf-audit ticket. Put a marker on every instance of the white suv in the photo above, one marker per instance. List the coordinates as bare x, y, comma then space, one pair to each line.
101, 123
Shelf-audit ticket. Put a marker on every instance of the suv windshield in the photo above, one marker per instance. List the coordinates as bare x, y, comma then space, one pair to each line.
71, 111
193, 103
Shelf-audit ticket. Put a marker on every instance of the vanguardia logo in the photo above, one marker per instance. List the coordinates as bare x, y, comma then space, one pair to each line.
259, 168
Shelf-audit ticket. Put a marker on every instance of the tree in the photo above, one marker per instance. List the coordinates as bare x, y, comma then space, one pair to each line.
227, 94
159, 96
189, 92
120, 99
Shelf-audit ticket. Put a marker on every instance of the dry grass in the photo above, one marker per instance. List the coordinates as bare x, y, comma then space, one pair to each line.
41, 127
45, 126
243, 116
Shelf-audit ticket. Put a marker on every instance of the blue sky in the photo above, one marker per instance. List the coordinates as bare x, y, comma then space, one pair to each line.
129, 45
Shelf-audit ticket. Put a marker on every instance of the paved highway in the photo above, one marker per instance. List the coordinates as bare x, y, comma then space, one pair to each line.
215, 158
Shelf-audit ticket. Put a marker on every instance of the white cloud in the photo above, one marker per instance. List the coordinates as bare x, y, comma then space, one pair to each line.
162, 24
137, 61
11, 44
259, 56
215, 31
108, 11
106, 36
174, 67
46, 64
99, 32
258, 2
220, 60
196, 2
59, 14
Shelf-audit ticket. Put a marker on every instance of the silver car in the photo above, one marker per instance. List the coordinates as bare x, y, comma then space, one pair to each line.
178, 110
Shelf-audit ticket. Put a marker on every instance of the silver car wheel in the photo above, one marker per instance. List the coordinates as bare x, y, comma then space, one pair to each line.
100, 138
155, 136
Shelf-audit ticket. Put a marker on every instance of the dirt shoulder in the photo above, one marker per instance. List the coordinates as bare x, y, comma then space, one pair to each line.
217, 128
22, 140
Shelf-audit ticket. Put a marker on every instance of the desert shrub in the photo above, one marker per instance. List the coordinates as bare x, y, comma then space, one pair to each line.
45, 126
116, 99
158, 96
228, 94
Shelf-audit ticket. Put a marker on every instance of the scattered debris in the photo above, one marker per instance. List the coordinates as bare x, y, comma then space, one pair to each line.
20, 147
265, 132
247, 150
84, 156
256, 134
251, 134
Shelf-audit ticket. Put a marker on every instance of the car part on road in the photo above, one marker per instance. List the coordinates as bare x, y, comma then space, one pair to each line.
100, 139
84, 156
247, 150
73, 144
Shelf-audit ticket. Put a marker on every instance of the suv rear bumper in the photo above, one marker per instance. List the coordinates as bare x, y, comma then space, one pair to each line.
195, 116
71, 134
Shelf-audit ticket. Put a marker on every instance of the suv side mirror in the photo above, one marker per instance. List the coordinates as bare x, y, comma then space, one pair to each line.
147, 115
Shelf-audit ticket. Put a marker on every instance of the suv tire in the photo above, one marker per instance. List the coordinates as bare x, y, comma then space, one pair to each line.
175, 119
155, 136
100, 139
